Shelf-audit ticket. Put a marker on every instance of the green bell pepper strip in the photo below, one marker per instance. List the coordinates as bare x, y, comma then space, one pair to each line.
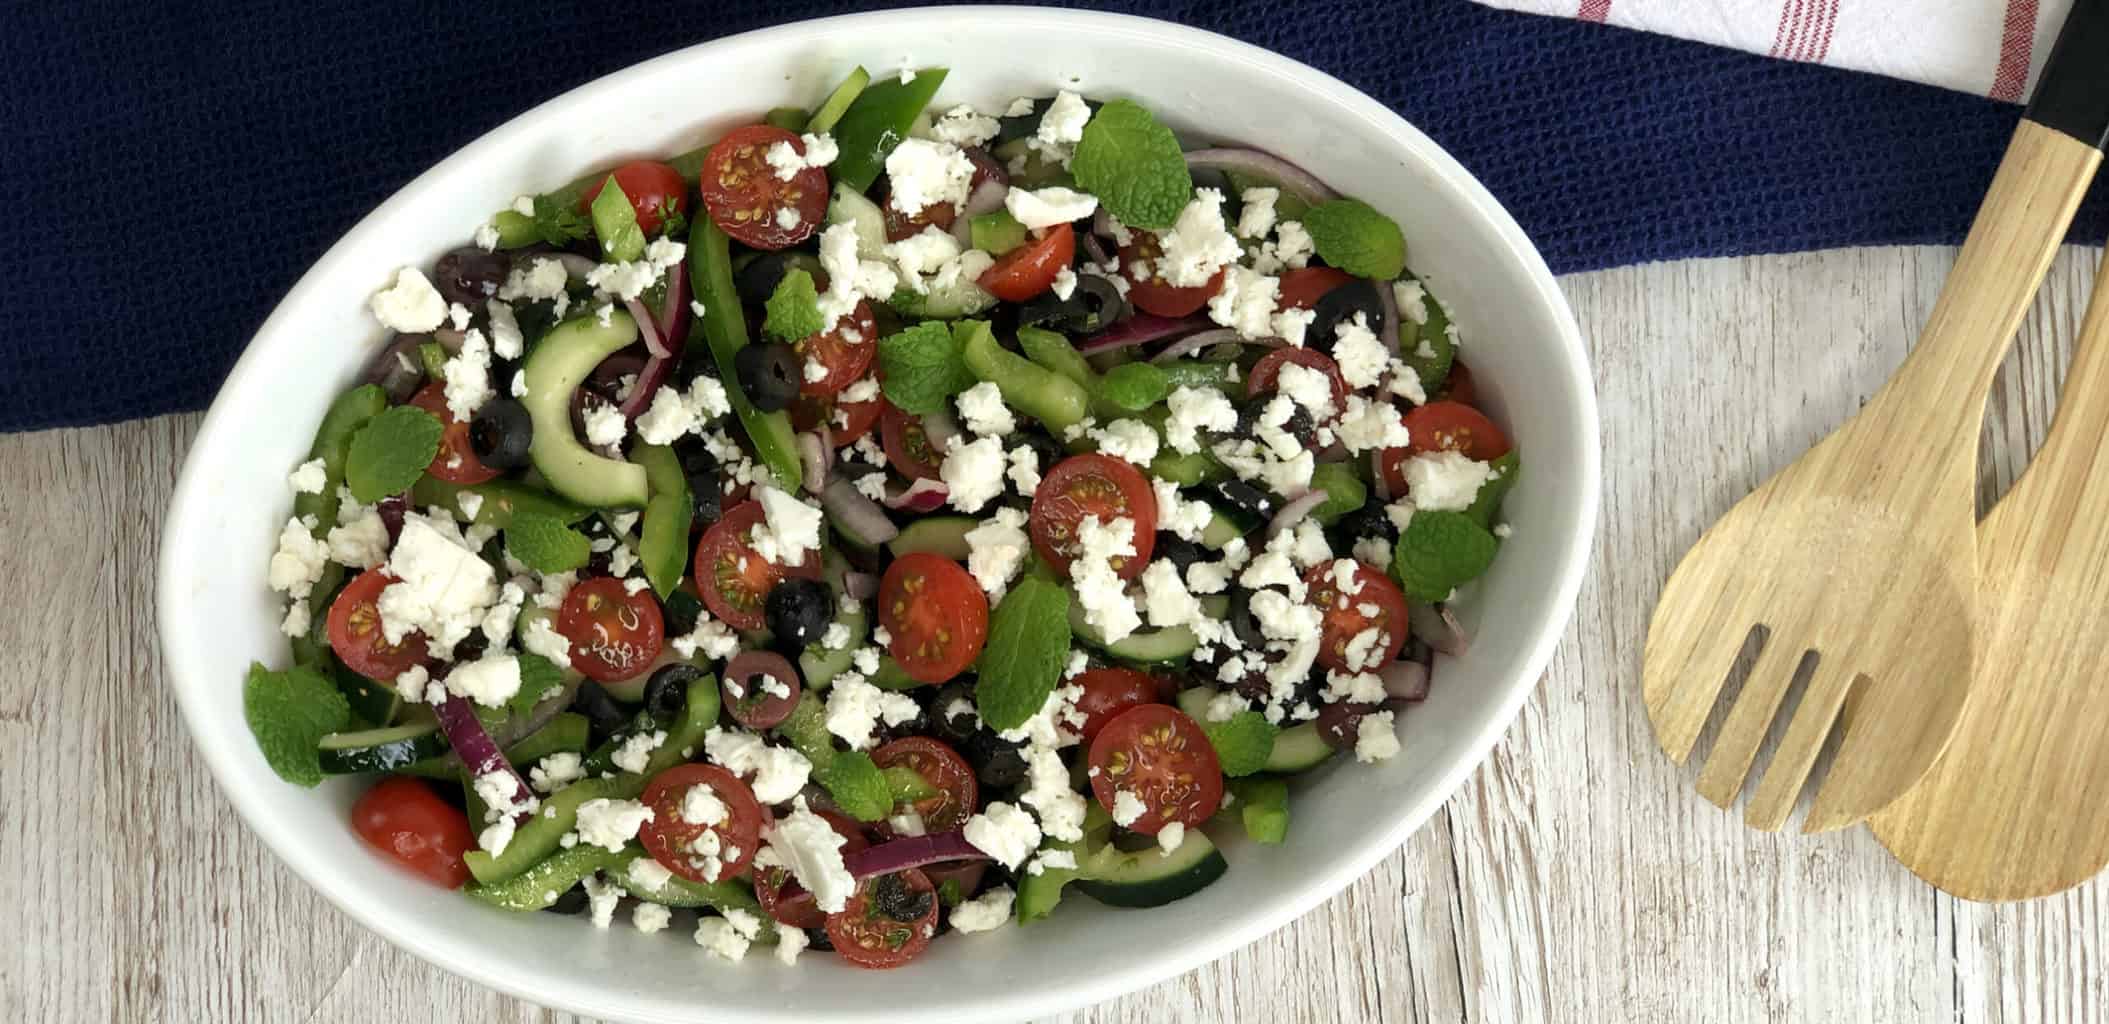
516, 230
1263, 806
663, 543
1344, 491
1056, 400
1434, 368
837, 102
685, 733
432, 358
790, 119
996, 232
501, 498
725, 329
1053, 351
544, 830
537, 887
676, 891
876, 121
567, 732
1193, 373
345, 416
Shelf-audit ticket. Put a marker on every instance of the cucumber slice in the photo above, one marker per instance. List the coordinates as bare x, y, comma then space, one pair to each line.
1147, 646
938, 535
540, 885
1038, 894
1194, 701
961, 298
1298, 748
849, 206
1219, 532
1151, 877
820, 665
553, 372
380, 750
837, 102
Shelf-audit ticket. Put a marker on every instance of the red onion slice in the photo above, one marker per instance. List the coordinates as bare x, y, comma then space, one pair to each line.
911, 852
575, 265
813, 453
941, 428
860, 585
857, 513
647, 326
395, 368
1383, 483
649, 379
1389, 332
1138, 329
1295, 512
1437, 626
1258, 164
1195, 342
674, 310
1405, 681
476, 748
921, 496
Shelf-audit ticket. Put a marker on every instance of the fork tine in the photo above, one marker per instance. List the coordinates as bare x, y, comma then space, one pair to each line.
1682, 677
1729, 764
1789, 772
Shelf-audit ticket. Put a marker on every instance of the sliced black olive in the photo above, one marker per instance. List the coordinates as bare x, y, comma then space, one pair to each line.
604, 717
799, 611
683, 611
1020, 126
666, 693
570, 901
1179, 550
893, 897
1368, 521
1249, 499
1298, 425
954, 729
757, 280
470, 276
1339, 306
1101, 299
770, 374
472, 647
501, 433
997, 761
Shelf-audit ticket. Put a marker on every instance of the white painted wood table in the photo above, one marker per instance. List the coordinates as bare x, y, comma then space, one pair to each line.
1575, 877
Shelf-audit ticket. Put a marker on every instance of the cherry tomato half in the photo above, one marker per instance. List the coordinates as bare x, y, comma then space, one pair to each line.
671, 838
403, 818
867, 934
1455, 427
355, 631
1093, 485
908, 447
1031, 268
845, 352
936, 613
1301, 289
846, 421
653, 188
1266, 374
1376, 603
787, 901
945, 771
1110, 691
1153, 294
1162, 757
901, 226
456, 461
749, 202
733, 579
1459, 387
614, 634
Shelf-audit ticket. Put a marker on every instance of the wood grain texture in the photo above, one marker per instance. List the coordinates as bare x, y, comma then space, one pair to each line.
1577, 877
1868, 619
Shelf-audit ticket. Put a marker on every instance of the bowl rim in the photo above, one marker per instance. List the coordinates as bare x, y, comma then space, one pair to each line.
245, 788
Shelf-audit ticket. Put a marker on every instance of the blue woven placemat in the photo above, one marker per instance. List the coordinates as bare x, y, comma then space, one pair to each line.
176, 166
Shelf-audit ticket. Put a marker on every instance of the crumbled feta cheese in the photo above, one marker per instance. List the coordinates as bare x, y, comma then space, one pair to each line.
490, 681
855, 708
411, 305
1097, 584
789, 943
719, 937
1127, 808
1245, 303
1412, 298
982, 411
1355, 688
543, 639
1193, 410
602, 896
973, 473
1178, 516
1165, 598
779, 772
309, 478
605, 425
964, 127
1444, 481
987, 912
443, 587
542, 279
1132, 440
649, 873
1367, 425
1256, 218
1048, 207
1024, 470
791, 527
629, 279
851, 279
1197, 244
1004, 832
556, 771
1064, 284
360, 538
1312, 389
635, 753
996, 550
1503, 531
1020, 107
298, 562
611, 824
650, 917
1171, 836
922, 254
298, 619
925, 173
1061, 127
1375, 739
1361, 355
1224, 706
907, 823
811, 850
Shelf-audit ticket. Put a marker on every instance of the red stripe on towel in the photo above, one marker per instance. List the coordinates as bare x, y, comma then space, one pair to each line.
2016, 43
1787, 35
1594, 10
1819, 45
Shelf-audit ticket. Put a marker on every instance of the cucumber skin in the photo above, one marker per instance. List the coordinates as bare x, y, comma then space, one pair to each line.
1181, 882
553, 372
544, 830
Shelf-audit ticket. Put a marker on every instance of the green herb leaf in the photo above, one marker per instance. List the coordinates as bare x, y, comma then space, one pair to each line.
1430, 347
1028, 643
1437, 551
949, 892
1352, 235
1134, 166
538, 678
545, 544
1487, 504
390, 452
289, 713
557, 219
793, 310
615, 224
921, 367
857, 786
1243, 742
1134, 386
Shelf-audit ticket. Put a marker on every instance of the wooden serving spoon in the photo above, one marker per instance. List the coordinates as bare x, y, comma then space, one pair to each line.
1863, 551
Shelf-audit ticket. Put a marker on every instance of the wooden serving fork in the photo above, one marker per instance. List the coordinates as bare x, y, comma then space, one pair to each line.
1864, 550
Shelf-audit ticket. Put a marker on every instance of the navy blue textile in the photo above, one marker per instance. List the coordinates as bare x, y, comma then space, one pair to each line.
175, 166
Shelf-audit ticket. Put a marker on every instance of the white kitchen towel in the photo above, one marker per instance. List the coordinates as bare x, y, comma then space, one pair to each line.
1989, 47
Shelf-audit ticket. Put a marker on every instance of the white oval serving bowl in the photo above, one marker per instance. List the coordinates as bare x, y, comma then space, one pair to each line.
216, 615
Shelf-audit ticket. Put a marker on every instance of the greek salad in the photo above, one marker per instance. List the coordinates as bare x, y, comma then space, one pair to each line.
884, 521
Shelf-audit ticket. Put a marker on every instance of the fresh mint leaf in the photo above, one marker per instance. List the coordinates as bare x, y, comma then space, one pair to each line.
289, 713
538, 678
921, 367
1502, 476
615, 224
1243, 742
1437, 551
544, 544
793, 310
1133, 165
1134, 386
390, 452
1028, 643
857, 786
1352, 235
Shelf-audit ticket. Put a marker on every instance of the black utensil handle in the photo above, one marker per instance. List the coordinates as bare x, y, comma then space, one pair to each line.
2073, 95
